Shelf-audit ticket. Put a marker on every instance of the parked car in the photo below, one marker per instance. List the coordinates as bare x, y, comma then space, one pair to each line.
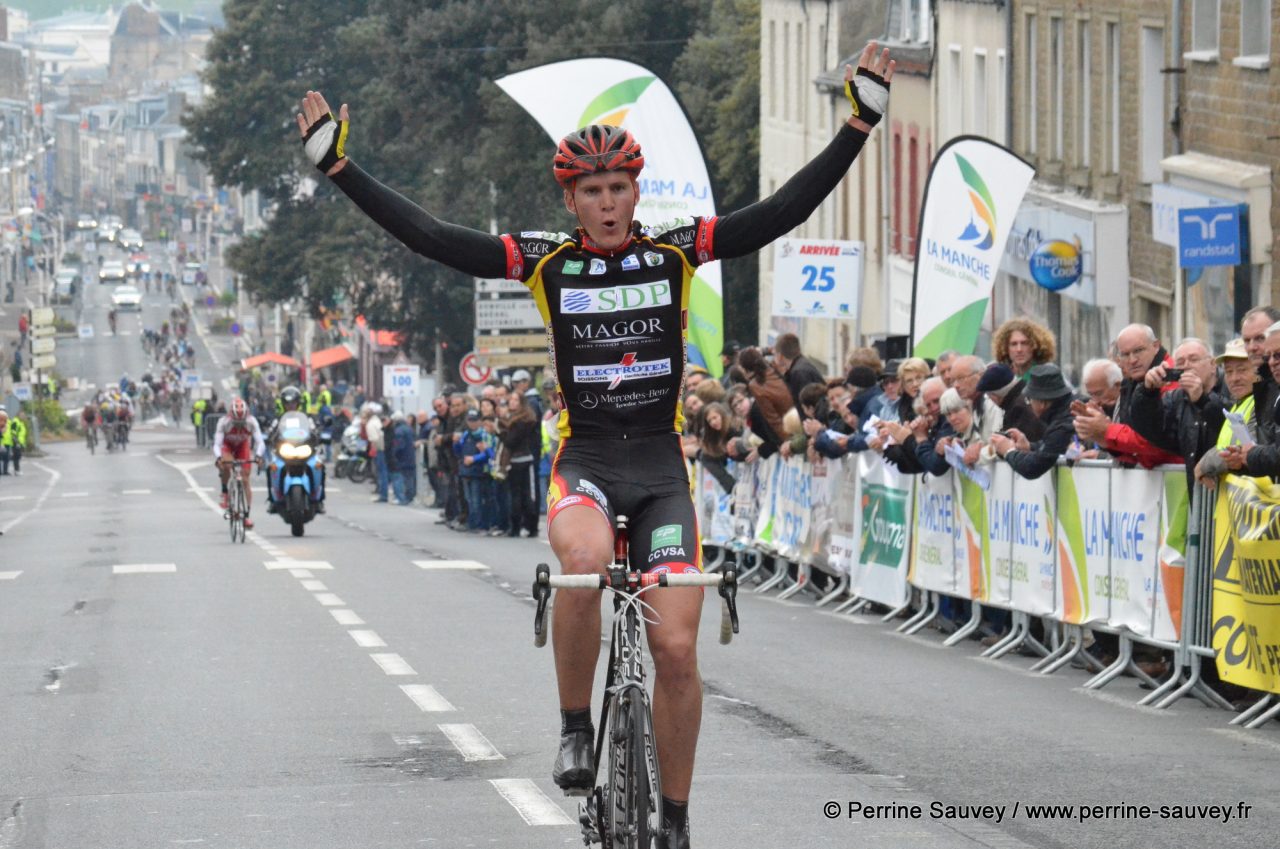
112, 271
127, 298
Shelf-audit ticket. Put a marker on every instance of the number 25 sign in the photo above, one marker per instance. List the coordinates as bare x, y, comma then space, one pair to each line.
816, 278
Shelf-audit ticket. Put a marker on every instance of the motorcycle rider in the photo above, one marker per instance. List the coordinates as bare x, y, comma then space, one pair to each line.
289, 400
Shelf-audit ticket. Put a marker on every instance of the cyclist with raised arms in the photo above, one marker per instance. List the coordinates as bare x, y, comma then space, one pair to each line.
615, 295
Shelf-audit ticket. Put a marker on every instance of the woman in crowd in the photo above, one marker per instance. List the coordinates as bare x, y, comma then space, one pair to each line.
1021, 343
959, 414
771, 399
718, 428
522, 440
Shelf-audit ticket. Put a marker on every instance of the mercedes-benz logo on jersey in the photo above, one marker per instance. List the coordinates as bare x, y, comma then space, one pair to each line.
588, 400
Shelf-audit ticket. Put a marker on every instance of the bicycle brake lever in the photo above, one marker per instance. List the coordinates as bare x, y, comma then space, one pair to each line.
729, 592
541, 593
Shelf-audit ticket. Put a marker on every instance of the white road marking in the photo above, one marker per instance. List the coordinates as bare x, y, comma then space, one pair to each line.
143, 568
470, 743
442, 565
329, 489
300, 573
297, 564
534, 807
313, 586
368, 639
329, 600
392, 664
9, 576
346, 617
75, 495
426, 697
13, 498
135, 492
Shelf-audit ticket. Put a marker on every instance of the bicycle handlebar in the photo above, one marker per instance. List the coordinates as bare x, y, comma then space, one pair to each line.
544, 582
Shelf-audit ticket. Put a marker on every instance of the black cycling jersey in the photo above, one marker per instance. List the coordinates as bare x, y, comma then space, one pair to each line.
617, 320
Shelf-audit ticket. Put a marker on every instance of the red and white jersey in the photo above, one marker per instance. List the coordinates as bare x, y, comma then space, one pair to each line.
233, 435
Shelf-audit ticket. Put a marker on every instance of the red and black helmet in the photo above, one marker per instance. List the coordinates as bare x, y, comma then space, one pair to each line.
594, 149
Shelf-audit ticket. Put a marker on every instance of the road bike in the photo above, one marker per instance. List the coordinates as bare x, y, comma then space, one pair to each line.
619, 812
237, 500
91, 437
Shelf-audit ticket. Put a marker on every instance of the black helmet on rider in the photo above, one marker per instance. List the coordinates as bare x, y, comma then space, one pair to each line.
290, 398
595, 149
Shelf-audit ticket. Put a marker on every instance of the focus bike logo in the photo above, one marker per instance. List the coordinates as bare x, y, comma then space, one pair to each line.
628, 369
615, 298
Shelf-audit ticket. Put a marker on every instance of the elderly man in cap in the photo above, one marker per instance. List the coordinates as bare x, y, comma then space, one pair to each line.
1050, 399
1003, 389
1262, 459
1238, 374
1188, 419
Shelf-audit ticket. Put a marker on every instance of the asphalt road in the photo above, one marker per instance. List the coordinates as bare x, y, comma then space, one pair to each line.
374, 683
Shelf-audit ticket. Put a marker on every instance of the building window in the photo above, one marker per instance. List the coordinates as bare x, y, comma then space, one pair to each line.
1255, 30
1002, 69
1084, 94
913, 194
897, 192
1153, 103
980, 111
926, 34
1056, 83
1032, 86
1113, 98
955, 63
773, 69
1204, 28
802, 64
786, 71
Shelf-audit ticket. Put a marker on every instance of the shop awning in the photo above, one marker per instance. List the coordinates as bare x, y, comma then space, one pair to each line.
269, 357
331, 357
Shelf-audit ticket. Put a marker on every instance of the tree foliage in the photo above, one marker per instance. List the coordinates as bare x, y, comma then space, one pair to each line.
428, 120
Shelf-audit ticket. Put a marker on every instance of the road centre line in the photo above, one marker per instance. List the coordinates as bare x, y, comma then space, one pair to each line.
300, 573
75, 495
346, 617
368, 639
427, 698
298, 564
9, 576
143, 568
533, 806
13, 498
135, 492
470, 743
314, 586
330, 600
444, 565
392, 664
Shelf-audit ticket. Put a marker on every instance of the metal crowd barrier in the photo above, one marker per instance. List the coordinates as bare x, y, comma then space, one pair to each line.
883, 538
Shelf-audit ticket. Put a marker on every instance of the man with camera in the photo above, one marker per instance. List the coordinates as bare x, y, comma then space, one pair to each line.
1188, 419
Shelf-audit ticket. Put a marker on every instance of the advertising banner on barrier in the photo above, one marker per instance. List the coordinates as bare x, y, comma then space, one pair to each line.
792, 506
816, 550
880, 565
715, 518
972, 552
844, 530
1132, 527
1030, 525
744, 502
1175, 506
934, 535
1084, 552
1246, 582
998, 539
766, 501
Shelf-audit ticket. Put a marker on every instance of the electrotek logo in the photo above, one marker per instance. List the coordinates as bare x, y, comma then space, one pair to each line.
615, 298
628, 369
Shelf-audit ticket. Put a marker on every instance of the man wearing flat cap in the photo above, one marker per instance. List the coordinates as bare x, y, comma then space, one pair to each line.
1050, 399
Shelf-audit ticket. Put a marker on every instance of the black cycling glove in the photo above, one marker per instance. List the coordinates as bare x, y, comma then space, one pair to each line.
326, 142
869, 94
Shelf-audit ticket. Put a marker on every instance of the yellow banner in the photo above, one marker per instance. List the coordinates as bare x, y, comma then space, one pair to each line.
1246, 582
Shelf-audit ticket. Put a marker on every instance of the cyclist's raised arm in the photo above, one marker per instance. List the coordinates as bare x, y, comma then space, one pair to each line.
751, 228
470, 251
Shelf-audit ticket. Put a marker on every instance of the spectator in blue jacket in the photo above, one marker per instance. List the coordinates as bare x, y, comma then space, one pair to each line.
475, 452
402, 466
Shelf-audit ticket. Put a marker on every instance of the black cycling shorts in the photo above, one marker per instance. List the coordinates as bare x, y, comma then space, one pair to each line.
643, 478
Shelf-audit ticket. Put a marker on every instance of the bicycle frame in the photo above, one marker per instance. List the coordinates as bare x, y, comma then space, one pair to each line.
625, 682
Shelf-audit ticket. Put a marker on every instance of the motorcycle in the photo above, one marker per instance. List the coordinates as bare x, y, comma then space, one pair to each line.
296, 472
353, 458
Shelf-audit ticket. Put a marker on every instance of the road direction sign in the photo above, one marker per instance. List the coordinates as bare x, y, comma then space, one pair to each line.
43, 330
41, 315
508, 314
86, 331
473, 373
43, 346
505, 287
514, 358
44, 361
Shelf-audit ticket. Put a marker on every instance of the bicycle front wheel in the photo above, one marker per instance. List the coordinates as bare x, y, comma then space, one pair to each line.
630, 794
